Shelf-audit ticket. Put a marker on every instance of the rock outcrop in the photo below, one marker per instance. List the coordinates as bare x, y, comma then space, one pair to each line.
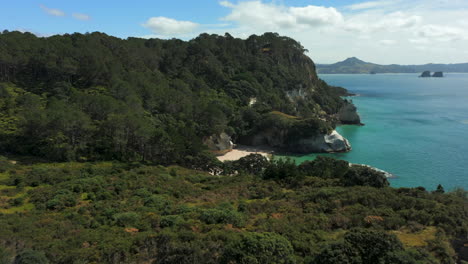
385, 173
321, 143
333, 142
425, 74
348, 115
438, 74
221, 143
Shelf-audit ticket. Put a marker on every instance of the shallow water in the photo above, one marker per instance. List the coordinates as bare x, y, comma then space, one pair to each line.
416, 128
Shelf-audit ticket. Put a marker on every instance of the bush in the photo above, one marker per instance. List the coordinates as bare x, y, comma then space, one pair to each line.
222, 216
126, 219
29, 256
364, 176
259, 248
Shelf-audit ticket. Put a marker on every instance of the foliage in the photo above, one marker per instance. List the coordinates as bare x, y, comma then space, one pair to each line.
134, 213
259, 248
96, 97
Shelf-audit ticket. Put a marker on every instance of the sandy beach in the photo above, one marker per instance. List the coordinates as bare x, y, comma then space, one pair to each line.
242, 151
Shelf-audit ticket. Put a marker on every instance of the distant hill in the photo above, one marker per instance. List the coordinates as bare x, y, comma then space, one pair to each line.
355, 65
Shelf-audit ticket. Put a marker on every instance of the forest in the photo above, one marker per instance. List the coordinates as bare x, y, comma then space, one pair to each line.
96, 97
102, 160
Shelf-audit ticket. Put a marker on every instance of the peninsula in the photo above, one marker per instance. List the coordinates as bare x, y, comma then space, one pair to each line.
354, 65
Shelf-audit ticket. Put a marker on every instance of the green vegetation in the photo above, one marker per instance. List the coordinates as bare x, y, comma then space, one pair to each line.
106, 162
282, 213
96, 97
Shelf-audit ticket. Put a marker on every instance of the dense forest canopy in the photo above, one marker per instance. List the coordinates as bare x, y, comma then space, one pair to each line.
93, 96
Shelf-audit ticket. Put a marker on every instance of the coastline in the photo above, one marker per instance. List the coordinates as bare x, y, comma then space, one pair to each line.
241, 151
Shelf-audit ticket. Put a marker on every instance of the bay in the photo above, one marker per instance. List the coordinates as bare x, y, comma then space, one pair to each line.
415, 128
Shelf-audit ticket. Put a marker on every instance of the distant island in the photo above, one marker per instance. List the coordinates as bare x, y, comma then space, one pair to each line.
355, 65
426, 74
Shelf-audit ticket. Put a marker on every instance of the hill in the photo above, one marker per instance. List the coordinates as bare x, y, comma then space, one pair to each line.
355, 65
97, 97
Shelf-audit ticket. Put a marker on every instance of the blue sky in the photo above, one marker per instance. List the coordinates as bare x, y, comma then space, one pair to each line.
382, 31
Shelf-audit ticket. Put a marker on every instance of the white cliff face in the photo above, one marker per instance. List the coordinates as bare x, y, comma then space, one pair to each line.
337, 142
333, 142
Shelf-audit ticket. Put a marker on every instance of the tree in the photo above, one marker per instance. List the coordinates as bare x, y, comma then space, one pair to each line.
30, 256
439, 189
261, 248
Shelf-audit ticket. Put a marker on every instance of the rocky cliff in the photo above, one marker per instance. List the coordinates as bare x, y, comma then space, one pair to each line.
348, 114
329, 143
219, 143
290, 134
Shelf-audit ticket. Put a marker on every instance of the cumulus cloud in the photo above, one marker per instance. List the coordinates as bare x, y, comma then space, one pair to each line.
270, 16
441, 33
316, 15
168, 26
80, 16
53, 11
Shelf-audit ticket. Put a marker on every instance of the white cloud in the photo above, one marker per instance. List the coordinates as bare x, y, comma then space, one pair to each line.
419, 41
167, 26
441, 33
53, 11
80, 16
316, 15
269, 16
388, 42
370, 5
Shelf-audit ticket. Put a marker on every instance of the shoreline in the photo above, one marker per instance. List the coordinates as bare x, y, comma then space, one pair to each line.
241, 151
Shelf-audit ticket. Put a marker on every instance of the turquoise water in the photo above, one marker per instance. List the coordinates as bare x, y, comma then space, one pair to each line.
416, 128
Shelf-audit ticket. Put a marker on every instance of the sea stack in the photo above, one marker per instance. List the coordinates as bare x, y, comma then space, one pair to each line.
425, 74
348, 115
438, 74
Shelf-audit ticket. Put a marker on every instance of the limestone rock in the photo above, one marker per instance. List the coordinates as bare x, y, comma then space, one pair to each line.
333, 142
321, 143
425, 74
348, 115
219, 143
438, 74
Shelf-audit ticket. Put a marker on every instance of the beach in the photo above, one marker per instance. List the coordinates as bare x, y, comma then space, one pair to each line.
241, 151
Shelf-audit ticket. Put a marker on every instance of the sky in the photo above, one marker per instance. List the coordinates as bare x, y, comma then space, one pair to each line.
383, 31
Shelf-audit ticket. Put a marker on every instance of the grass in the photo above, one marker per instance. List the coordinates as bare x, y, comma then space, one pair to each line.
22, 208
281, 114
6, 187
26, 206
418, 239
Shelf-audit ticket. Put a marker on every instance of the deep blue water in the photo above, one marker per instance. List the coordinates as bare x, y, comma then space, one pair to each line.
416, 128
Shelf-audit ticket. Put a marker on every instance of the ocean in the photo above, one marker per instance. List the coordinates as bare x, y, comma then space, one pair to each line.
415, 128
